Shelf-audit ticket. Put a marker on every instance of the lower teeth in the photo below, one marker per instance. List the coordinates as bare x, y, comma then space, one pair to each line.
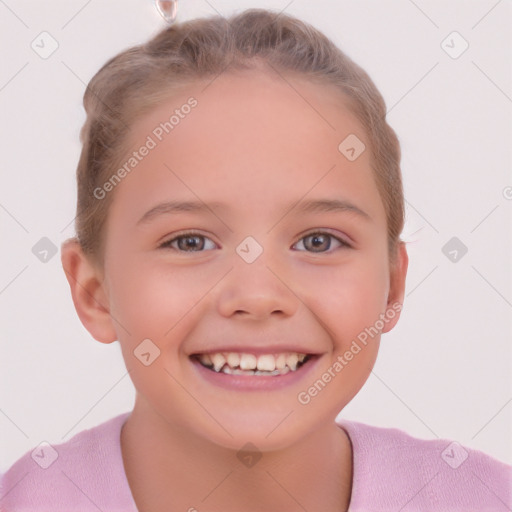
236, 371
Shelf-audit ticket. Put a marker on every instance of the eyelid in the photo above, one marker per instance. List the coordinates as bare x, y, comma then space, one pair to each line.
345, 239
182, 234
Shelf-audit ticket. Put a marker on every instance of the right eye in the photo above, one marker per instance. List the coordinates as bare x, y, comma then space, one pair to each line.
187, 242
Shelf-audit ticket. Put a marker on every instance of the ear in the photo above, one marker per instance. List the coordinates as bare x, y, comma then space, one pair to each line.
396, 287
89, 292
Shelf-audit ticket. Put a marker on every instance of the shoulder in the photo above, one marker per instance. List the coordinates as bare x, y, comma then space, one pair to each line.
83, 473
396, 471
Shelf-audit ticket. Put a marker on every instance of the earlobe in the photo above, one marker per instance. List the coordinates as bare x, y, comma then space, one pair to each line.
88, 292
397, 287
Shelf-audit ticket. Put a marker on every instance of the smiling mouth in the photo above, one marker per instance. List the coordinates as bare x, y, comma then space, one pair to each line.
234, 363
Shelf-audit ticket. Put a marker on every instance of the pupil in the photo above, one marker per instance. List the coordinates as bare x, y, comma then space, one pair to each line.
319, 240
189, 243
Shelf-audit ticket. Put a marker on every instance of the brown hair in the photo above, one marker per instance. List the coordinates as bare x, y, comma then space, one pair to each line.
138, 78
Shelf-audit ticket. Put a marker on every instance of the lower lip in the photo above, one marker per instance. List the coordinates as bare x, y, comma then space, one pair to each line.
254, 382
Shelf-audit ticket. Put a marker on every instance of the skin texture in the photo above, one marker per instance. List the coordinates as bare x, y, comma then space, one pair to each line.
258, 145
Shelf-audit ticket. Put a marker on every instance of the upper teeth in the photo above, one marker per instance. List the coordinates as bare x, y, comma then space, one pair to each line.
264, 362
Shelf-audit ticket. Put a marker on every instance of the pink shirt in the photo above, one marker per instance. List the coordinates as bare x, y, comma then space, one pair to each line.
392, 472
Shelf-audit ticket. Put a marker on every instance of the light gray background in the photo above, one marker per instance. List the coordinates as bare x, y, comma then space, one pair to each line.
444, 371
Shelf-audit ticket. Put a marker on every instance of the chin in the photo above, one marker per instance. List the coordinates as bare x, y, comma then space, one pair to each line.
268, 431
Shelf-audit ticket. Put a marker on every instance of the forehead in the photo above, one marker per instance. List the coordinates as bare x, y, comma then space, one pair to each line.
248, 134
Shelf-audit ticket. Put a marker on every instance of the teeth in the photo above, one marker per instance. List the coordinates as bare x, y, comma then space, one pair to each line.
248, 362
266, 363
233, 359
236, 371
206, 359
281, 361
218, 361
292, 361
235, 363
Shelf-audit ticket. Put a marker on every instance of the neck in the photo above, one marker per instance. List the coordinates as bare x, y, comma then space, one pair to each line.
174, 468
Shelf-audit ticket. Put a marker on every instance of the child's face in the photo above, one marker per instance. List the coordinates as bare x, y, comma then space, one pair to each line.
257, 146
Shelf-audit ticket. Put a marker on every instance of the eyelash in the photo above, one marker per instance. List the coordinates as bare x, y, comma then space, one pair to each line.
343, 243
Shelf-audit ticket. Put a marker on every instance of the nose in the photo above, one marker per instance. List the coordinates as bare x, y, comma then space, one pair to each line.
256, 291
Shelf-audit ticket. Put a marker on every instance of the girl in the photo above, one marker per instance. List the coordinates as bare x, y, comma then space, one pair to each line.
238, 230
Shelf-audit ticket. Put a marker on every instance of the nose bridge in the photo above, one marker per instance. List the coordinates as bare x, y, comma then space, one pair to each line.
256, 288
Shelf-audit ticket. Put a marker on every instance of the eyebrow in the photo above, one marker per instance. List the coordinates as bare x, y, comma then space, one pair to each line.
312, 206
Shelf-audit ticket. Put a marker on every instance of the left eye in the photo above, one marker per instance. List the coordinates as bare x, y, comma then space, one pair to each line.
194, 242
320, 241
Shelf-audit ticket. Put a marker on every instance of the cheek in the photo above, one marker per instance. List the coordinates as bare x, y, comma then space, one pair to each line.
150, 298
349, 298
349, 303
154, 302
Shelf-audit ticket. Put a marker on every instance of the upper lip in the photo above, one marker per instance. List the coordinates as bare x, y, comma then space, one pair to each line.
257, 350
